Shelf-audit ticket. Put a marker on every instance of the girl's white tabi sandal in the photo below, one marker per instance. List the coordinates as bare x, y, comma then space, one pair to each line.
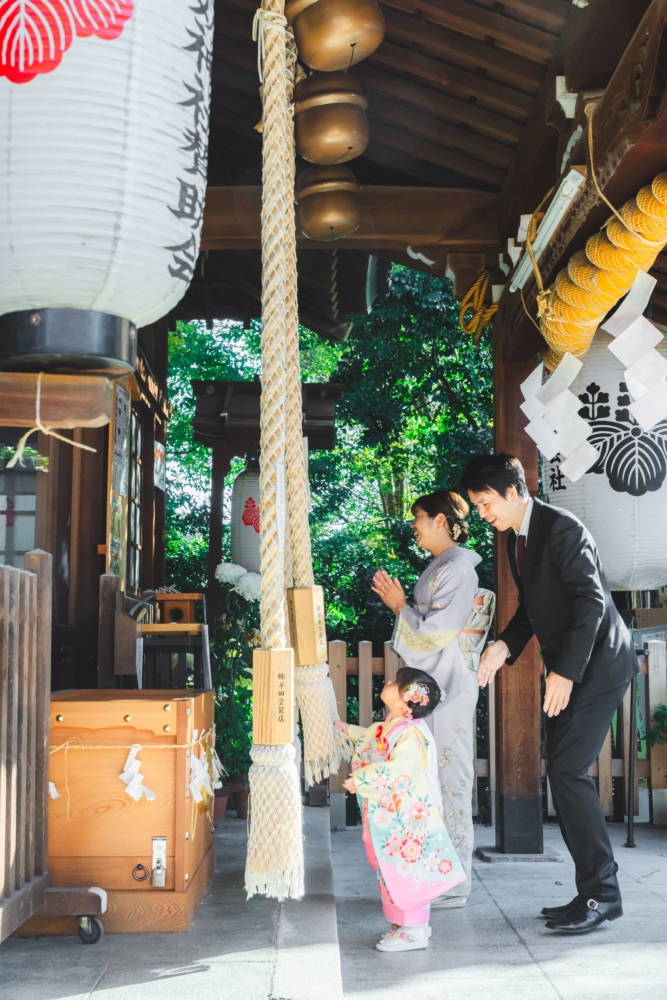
404, 938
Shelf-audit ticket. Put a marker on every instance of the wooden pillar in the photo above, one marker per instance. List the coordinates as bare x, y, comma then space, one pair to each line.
220, 467
518, 690
159, 516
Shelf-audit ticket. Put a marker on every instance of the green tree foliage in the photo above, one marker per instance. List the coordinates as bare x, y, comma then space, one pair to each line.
417, 404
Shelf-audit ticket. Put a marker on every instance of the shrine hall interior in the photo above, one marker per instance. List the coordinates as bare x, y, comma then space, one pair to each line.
467, 134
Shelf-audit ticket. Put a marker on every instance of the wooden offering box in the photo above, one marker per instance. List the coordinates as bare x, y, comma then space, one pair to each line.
98, 834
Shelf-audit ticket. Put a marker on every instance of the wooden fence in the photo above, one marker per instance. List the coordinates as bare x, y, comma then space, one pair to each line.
654, 767
25, 689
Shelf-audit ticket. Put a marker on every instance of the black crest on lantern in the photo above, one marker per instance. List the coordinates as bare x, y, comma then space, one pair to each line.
634, 460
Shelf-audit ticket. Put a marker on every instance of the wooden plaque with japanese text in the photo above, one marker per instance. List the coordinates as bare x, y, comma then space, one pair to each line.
273, 696
307, 624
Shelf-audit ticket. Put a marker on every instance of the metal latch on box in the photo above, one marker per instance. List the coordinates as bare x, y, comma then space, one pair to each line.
159, 868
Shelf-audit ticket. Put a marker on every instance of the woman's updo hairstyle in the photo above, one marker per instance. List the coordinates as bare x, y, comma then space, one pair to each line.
454, 508
418, 682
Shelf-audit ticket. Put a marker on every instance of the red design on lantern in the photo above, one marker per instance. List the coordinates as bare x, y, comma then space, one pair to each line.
250, 514
34, 34
104, 18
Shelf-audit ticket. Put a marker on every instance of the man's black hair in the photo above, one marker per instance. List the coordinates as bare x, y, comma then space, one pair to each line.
494, 472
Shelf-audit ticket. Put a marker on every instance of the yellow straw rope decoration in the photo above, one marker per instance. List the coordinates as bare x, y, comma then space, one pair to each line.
598, 276
481, 314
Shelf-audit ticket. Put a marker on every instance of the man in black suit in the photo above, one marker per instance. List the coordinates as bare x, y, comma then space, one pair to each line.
564, 600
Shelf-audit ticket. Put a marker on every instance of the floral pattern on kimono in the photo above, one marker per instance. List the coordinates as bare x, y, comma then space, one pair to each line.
406, 840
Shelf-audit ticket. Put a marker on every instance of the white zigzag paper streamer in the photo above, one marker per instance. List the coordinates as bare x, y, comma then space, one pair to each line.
133, 778
555, 425
634, 345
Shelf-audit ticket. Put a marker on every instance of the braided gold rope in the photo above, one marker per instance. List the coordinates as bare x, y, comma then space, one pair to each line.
481, 314
598, 276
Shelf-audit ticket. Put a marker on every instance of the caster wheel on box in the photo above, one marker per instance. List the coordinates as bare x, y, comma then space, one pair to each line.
90, 929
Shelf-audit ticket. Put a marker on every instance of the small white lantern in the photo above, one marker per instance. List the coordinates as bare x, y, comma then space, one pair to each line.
622, 500
245, 520
104, 131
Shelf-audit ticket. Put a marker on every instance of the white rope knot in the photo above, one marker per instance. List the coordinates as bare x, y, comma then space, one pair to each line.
39, 426
262, 20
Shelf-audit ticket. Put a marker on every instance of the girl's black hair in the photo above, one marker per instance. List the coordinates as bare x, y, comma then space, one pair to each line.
449, 503
407, 676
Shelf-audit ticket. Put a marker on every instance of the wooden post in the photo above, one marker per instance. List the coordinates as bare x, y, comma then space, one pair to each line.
657, 695
519, 783
219, 469
604, 777
627, 750
40, 563
109, 586
338, 674
392, 663
365, 683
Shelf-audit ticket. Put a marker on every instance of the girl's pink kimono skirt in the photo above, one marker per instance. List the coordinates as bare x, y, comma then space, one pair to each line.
396, 776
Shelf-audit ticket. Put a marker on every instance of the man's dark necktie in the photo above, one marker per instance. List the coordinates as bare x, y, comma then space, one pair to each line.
520, 555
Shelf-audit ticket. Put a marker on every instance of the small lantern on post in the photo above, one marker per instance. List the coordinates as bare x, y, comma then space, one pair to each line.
330, 121
327, 200
335, 34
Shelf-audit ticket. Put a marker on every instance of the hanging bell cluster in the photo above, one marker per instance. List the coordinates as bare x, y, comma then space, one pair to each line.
330, 121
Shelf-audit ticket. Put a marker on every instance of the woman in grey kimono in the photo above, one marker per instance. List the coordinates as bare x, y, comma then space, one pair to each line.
436, 635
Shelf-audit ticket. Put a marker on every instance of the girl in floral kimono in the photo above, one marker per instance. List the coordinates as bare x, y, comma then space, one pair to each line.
443, 634
394, 772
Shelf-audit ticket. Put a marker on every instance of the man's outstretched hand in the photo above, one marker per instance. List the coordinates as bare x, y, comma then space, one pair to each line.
557, 694
491, 661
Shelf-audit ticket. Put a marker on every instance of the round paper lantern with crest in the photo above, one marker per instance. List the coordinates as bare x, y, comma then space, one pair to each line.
622, 499
245, 520
104, 130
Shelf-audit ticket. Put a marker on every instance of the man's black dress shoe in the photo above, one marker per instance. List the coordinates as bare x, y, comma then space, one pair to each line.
554, 912
586, 916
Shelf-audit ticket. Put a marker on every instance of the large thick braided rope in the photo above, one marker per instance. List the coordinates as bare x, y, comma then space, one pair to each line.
312, 684
274, 861
571, 310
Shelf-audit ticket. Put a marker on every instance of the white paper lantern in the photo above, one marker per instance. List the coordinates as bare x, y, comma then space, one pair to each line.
623, 500
245, 520
104, 134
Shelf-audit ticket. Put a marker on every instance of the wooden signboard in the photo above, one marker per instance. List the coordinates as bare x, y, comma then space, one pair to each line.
273, 696
305, 607
66, 401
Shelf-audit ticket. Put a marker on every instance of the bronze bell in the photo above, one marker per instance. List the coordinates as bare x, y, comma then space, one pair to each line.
327, 200
335, 34
330, 123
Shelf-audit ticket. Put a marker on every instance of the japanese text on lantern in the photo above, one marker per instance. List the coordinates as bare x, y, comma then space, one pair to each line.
188, 202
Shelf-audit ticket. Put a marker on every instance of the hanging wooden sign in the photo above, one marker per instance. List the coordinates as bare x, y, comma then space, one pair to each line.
273, 697
307, 624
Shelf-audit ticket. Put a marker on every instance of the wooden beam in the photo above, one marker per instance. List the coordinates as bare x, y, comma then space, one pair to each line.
414, 169
65, 400
431, 152
430, 128
390, 216
438, 104
493, 95
441, 43
630, 130
473, 20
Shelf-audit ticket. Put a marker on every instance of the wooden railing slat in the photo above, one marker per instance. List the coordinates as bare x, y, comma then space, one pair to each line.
604, 777
40, 563
365, 683
338, 674
4, 685
12, 729
31, 736
23, 722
